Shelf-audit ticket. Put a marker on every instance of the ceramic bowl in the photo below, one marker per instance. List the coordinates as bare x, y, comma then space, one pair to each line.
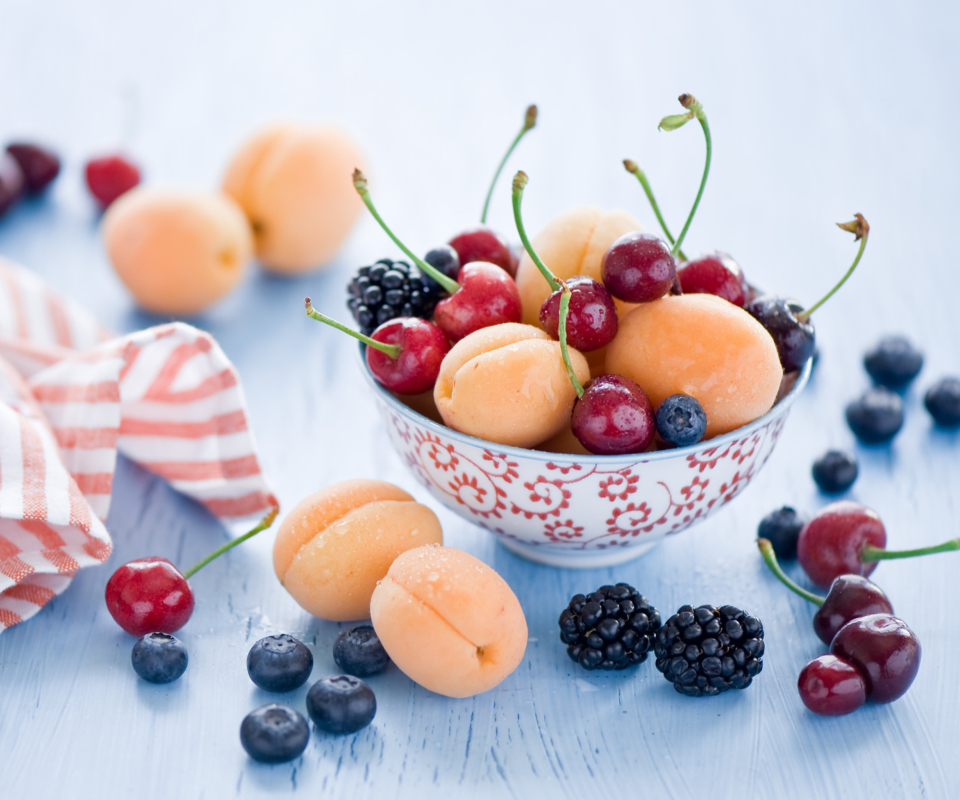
581, 511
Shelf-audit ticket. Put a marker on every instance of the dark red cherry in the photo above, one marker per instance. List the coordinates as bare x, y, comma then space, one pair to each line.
850, 597
416, 366
149, 595
884, 649
39, 165
11, 182
108, 177
591, 318
831, 542
614, 416
487, 296
638, 268
483, 244
830, 686
714, 273
795, 340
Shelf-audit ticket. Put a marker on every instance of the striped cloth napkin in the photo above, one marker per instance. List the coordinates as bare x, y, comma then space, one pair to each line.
71, 396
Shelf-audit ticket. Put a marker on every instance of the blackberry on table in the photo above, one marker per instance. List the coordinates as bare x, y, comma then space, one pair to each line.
612, 628
707, 650
390, 289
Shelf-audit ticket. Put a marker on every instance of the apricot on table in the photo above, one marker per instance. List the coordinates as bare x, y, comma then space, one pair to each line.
177, 251
294, 183
507, 384
334, 546
449, 621
704, 346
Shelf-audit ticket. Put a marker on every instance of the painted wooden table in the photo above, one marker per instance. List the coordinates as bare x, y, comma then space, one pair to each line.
817, 113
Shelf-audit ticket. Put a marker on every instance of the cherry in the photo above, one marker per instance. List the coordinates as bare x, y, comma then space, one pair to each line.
483, 244
403, 354
831, 687
786, 320
638, 268
613, 416
482, 295
850, 597
110, 176
831, 542
884, 649
11, 182
150, 595
39, 165
715, 273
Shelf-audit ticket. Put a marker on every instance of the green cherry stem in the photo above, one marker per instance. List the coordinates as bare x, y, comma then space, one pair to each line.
766, 550
633, 168
562, 332
360, 184
529, 121
870, 553
390, 350
265, 523
519, 182
860, 229
675, 121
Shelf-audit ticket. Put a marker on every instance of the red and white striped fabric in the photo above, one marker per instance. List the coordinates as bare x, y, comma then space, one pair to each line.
70, 398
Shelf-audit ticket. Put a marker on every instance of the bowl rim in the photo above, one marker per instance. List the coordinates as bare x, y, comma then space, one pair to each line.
779, 409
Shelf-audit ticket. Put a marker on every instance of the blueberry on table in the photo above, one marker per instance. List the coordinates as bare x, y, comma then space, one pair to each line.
341, 704
273, 734
877, 416
943, 402
359, 652
159, 658
893, 362
279, 663
782, 527
835, 471
681, 420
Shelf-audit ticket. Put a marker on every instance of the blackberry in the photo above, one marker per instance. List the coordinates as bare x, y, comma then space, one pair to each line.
390, 289
894, 362
835, 471
707, 650
613, 628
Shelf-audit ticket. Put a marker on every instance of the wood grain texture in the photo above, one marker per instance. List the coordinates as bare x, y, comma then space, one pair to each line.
816, 113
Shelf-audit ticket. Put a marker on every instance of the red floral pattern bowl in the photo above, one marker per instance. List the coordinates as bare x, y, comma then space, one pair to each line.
582, 510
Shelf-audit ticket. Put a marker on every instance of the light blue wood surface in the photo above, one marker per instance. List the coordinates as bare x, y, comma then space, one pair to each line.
816, 113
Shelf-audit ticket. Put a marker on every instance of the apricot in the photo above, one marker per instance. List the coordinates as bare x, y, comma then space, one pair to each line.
448, 621
704, 346
177, 251
572, 243
334, 546
507, 384
294, 183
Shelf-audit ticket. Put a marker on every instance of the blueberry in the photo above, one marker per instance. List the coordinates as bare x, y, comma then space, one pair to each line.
341, 704
358, 652
279, 663
681, 420
782, 528
877, 416
894, 362
835, 471
274, 734
445, 259
159, 657
943, 402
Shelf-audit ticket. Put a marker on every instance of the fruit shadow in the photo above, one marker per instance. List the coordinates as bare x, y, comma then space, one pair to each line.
164, 698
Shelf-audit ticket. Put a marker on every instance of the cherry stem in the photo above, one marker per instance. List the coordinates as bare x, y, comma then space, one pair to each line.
672, 123
519, 182
633, 168
870, 553
529, 120
360, 184
860, 228
265, 523
391, 350
766, 550
562, 332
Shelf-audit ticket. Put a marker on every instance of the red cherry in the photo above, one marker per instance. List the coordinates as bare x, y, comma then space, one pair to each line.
591, 319
638, 268
831, 542
831, 687
714, 273
110, 176
11, 182
884, 649
40, 165
487, 296
484, 244
415, 368
614, 416
850, 597
149, 595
